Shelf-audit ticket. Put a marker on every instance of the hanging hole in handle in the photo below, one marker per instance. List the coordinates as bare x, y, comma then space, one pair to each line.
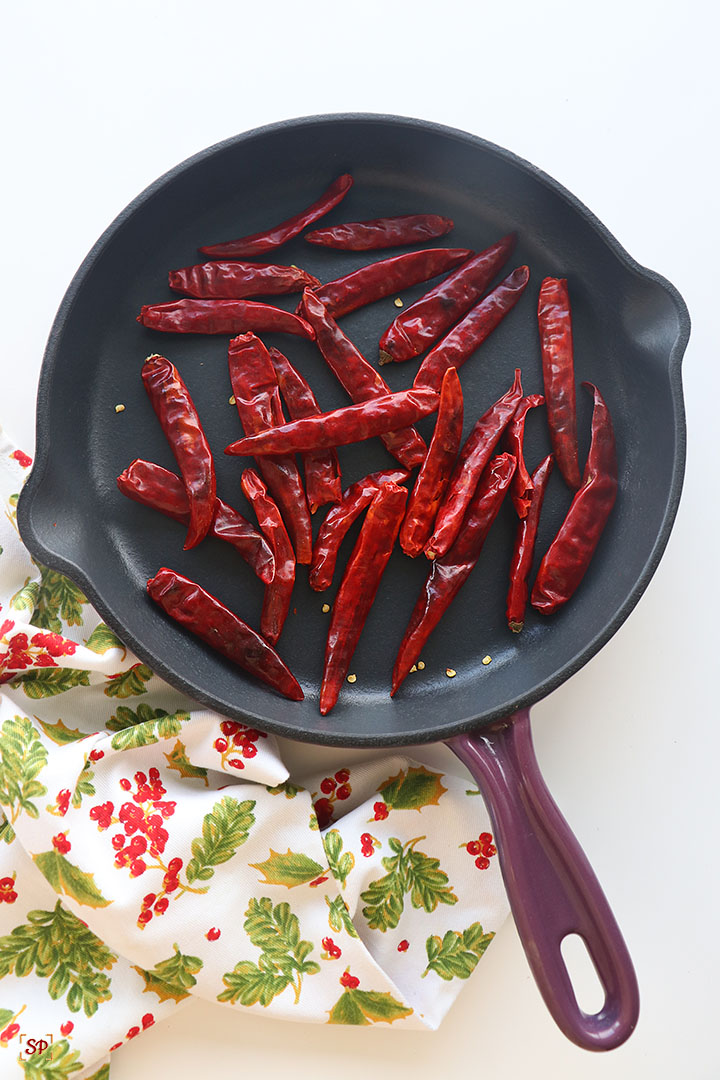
588, 989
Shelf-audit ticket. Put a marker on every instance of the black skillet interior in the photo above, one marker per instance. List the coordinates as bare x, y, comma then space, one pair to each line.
630, 330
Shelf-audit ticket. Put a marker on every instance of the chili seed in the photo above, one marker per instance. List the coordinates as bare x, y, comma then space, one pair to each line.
352, 678
119, 408
421, 665
413, 668
450, 672
231, 399
326, 608
398, 302
487, 660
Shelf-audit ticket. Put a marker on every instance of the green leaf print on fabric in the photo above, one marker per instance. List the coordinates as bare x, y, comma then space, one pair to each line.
144, 727
7, 833
177, 759
6, 1015
129, 683
339, 916
456, 954
224, 829
59, 598
57, 1062
25, 599
48, 682
412, 789
340, 863
103, 1073
287, 789
284, 960
291, 869
84, 785
172, 979
367, 1007
408, 871
67, 878
59, 733
22, 759
57, 946
102, 639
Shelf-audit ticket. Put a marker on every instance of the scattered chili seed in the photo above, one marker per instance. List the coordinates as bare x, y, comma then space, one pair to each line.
352, 678
421, 665
487, 660
398, 302
119, 408
413, 668
326, 608
450, 672
231, 399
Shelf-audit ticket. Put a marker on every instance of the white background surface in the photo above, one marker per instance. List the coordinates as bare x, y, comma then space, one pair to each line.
619, 102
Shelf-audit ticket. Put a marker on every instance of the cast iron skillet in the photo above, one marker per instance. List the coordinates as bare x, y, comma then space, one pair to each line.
631, 328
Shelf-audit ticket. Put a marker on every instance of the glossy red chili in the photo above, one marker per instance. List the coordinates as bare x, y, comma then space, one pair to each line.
470, 466
359, 378
451, 571
151, 485
524, 549
436, 469
257, 399
238, 280
322, 467
469, 334
174, 408
359, 587
381, 232
521, 489
568, 557
221, 317
386, 278
416, 328
206, 617
339, 520
339, 427
278, 593
247, 247
556, 342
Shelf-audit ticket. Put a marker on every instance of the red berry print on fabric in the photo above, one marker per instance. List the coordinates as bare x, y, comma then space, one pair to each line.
22, 458
213, 934
334, 789
482, 850
351, 982
368, 844
61, 843
9, 1033
403, 946
332, 951
66, 1028
381, 811
8, 894
235, 743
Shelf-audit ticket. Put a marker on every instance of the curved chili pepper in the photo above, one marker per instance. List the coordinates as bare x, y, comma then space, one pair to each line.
339, 427
470, 466
257, 399
178, 417
555, 325
436, 469
359, 378
388, 276
151, 485
359, 587
278, 593
568, 557
462, 341
221, 317
450, 572
322, 467
381, 232
203, 614
339, 520
418, 326
237, 280
525, 537
257, 243
521, 490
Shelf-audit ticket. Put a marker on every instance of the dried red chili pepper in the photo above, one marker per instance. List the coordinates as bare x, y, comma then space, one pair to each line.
178, 417
278, 593
524, 549
555, 325
436, 469
381, 232
151, 485
474, 456
238, 280
257, 243
388, 276
568, 557
339, 427
450, 572
521, 489
205, 616
359, 378
339, 520
257, 399
322, 467
417, 327
462, 341
359, 587
221, 317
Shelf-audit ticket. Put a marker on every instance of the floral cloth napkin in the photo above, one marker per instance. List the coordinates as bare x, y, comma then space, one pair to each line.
153, 850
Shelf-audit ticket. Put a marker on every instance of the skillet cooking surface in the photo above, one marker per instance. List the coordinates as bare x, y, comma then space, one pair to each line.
630, 329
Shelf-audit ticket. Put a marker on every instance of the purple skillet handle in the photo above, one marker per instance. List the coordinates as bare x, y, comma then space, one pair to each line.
551, 886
